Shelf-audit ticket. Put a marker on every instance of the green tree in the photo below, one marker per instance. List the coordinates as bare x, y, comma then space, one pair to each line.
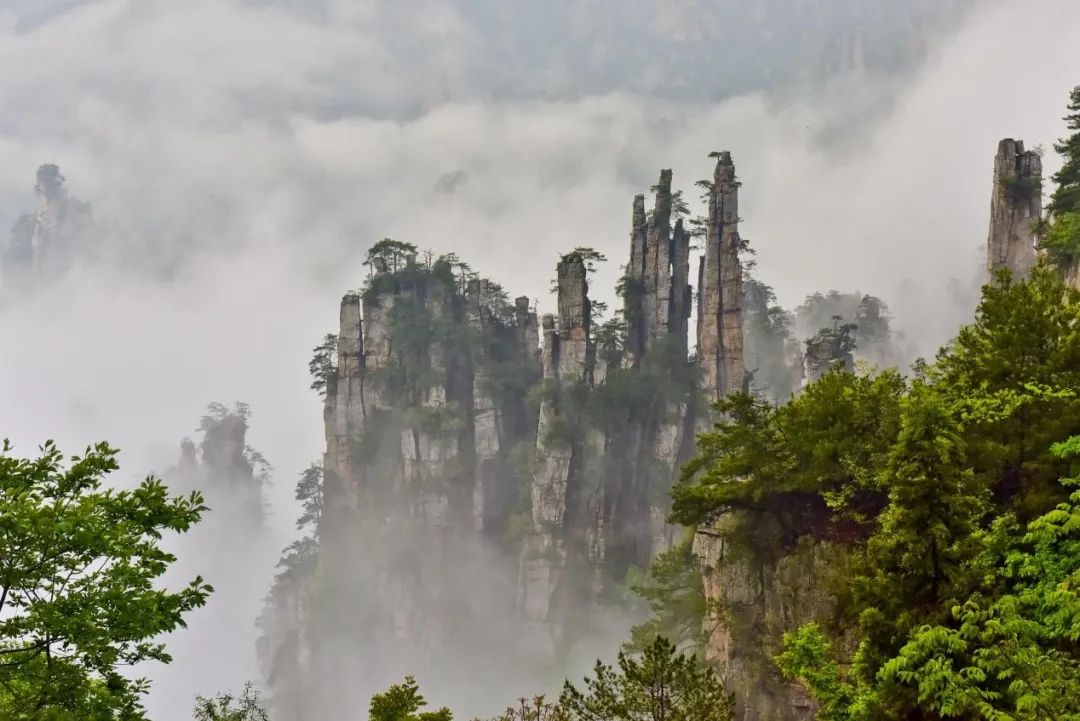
675, 594
920, 561
227, 707
1061, 240
403, 702
1066, 197
323, 364
1007, 651
963, 603
589, 256
1012, 374
534, 709
657, 684
79, 564
808, 657
766, 333
816, 459
392, 254
1061, 234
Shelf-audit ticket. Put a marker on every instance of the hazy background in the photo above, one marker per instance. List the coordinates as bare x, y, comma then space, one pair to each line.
244, 154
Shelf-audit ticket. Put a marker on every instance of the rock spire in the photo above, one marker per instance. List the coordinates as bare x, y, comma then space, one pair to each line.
1015, 208
719, 319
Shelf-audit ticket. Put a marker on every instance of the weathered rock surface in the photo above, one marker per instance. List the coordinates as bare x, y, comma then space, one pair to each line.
1015, 208
828, 349
753, 602
658, 294
719, 330
434, 459
559, 529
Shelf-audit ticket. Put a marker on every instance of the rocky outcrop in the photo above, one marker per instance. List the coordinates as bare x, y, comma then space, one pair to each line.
753, 601
441, 471
657, 293
1015, 208
420, 423
719, 330
225, 469
341, 389
828, 349
486, 418
44, 241
560, 529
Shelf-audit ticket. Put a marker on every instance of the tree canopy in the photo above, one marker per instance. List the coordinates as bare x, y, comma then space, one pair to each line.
79, 596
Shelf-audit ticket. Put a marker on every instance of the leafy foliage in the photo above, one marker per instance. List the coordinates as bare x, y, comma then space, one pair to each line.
766, 335
1066, 197
228, 707
78, 600
403, 702
811, 463
674, 591
589, 256
391, 255
535, 709
1061, 240
955, 493
323, 364
657, 684
1008, 651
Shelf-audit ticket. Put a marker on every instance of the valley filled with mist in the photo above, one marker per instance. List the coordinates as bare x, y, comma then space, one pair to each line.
473, 342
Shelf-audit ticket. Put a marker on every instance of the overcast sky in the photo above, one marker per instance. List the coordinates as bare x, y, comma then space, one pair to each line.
257, 148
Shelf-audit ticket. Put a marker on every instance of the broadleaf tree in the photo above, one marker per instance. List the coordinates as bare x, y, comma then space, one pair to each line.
80, 593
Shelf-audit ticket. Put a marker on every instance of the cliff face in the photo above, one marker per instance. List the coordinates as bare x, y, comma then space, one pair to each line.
720, 276
469, 446
754, 601
1015, 208
567, 502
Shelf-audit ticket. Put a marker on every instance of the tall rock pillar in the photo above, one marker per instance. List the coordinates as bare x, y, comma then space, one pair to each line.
657, 293
1015, 208
561, 529
343, 414
719, 331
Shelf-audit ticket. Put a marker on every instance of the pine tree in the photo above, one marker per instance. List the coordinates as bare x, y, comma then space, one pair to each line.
657, 684
1066, 197
1061, 234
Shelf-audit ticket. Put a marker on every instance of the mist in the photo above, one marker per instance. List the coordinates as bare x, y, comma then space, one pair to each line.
241, 157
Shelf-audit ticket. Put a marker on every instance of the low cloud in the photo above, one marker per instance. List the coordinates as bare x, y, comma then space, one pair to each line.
243, 156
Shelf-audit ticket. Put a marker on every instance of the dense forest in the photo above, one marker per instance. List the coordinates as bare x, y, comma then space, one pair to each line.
772, 514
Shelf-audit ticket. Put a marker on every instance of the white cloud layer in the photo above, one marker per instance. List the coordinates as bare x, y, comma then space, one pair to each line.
264, 148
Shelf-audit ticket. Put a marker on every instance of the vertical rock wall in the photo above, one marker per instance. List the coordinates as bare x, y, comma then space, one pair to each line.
558, 528
487, 421
658, 294
754, 601
1015, 208
719, 334
427, 427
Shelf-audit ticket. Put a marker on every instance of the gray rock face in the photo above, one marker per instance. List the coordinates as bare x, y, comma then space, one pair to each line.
567, 367
719, 333
432, 449
1015, 208
657, 295
753, 602
829, 348
487, 420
